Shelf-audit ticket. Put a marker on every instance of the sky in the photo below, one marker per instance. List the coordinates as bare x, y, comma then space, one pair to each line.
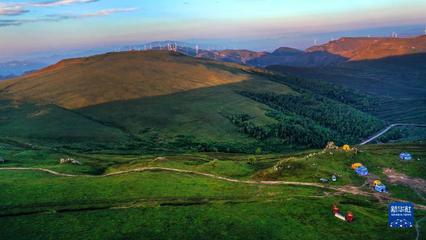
29, 27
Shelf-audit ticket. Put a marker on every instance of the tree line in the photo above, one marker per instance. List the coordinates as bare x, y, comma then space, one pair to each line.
307, 119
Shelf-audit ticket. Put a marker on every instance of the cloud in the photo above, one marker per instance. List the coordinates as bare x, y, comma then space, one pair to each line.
58, 17
5, 23
15, 9
11, 10
106, 12
60, 3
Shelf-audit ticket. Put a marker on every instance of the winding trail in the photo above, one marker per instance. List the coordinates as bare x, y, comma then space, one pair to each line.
389, 128
344, 189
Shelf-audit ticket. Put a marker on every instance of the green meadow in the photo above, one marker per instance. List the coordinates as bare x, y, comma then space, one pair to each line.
170, 205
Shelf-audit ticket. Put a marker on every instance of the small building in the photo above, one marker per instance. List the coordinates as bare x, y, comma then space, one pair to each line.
362, 171
405, 156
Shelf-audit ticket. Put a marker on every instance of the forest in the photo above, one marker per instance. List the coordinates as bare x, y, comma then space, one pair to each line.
354, 98
307, 119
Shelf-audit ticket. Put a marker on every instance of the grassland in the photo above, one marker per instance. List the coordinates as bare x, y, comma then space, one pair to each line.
160, 101
166, 205
38, 124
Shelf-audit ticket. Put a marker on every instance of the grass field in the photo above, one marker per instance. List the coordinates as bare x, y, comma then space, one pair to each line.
159, 101
167, 205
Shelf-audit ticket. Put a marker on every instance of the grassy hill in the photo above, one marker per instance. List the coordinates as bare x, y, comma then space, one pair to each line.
54, 125
161, 100
81, 82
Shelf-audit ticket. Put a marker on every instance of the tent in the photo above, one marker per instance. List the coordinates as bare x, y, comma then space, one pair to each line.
380, 188
377, 182
405, 156
362, 171
356, 165
346, 148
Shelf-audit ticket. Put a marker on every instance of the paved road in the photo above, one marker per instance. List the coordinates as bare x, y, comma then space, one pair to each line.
389, 128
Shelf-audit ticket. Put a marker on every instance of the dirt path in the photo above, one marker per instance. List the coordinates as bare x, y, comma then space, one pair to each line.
389, 128
343, 189
417, 184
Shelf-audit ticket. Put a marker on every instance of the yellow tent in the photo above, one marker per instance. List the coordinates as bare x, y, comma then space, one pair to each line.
356, 165
377, 182
346, 148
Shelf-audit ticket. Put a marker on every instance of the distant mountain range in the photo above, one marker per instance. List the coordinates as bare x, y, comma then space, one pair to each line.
334, 52
281, 56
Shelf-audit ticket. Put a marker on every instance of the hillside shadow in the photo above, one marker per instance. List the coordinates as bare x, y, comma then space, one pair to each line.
399, 81
302, 59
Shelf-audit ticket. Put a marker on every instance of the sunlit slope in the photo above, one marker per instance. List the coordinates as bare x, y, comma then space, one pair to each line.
363, 48
148, 98
82, 82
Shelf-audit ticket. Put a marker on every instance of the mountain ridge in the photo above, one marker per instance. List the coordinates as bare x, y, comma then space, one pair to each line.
365, 48
332, 53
